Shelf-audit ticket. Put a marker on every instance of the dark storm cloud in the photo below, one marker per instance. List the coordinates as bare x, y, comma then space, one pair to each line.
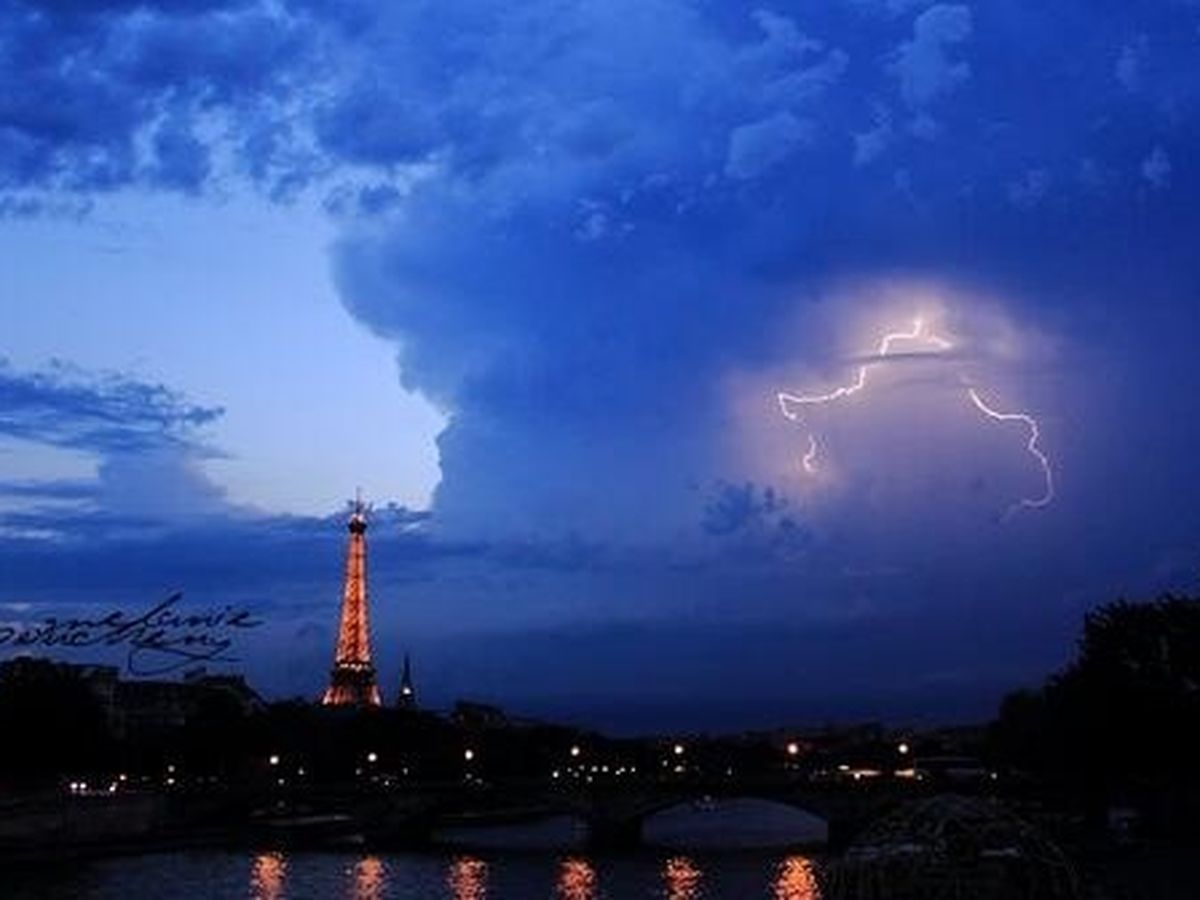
576, 220
60, 489
755, 524
97, 96
599, 238
71, 9
604, 229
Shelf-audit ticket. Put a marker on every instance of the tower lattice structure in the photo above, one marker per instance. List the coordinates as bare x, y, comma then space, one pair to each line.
352, 681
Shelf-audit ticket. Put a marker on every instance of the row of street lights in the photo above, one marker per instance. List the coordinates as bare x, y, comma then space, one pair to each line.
678, 750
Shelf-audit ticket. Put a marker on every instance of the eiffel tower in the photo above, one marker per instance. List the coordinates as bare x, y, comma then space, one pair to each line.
352, 681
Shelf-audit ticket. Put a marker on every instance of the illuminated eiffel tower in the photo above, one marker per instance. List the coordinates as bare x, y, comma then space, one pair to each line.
352, 681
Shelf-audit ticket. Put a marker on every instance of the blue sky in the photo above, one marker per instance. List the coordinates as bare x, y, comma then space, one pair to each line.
214, 279
535, 273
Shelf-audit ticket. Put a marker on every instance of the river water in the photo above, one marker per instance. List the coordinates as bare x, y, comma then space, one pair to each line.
741, 875
740, 848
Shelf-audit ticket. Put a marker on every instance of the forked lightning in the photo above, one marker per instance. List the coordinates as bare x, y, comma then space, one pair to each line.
790, 405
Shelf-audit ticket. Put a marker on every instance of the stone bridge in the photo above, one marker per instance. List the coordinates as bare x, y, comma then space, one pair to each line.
615, 813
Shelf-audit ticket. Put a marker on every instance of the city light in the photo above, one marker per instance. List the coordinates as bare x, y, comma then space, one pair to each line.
793, 749
372, 757
272, 760
903, 748
678, 749
468, 755
575, 751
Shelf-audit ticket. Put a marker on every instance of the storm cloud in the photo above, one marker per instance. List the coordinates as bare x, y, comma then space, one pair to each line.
602, 235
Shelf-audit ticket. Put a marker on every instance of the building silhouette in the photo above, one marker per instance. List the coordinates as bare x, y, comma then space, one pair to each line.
352, 680
138, 709
407, 697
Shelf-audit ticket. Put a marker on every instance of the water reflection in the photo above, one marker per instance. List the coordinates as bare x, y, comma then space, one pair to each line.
681, 879
355, 875
369, 879
576, 880
796, 879
468, 879
266, 876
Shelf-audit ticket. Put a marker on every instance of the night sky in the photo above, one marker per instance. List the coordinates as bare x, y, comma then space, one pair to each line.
533, 275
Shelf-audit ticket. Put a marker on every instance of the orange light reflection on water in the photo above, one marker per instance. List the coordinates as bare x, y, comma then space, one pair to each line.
796, 880
467, 879
370, 877
266, 876
681, 879
576, 880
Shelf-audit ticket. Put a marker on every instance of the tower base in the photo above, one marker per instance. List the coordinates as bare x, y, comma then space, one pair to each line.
352, 686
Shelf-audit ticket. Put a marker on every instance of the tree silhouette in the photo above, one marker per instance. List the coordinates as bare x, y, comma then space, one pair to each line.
1123, 720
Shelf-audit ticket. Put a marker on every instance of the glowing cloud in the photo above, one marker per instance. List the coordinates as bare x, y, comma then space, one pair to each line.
930, 343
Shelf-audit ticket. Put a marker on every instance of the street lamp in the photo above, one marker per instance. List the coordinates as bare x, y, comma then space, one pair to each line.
372, 757
678, 749
468, 754
273, 759
575, 751
793, 749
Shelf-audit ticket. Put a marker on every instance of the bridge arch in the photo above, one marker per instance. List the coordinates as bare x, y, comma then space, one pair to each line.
731, 822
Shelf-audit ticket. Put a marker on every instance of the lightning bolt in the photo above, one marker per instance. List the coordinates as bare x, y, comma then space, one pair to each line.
917, 332
790, 405
809, 460
1032, 446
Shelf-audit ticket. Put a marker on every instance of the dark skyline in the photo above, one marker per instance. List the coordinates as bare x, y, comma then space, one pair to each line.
534, 275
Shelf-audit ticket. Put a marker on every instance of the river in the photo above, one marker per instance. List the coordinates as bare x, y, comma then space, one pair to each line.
510, 875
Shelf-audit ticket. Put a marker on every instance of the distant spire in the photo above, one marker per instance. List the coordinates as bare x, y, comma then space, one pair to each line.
407, 698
